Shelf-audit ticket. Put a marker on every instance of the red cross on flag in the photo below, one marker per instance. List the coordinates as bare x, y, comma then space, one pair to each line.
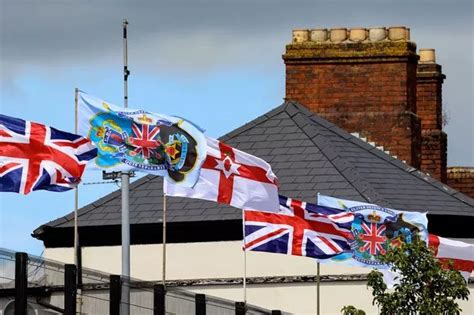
232, 177
460, 254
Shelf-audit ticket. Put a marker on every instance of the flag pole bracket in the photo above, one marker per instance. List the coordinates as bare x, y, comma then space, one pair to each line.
115, 175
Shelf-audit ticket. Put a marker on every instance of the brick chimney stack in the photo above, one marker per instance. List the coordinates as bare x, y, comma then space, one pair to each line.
429, 109
363, 80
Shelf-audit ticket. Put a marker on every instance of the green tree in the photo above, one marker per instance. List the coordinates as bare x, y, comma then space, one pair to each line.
351, 310
424, 287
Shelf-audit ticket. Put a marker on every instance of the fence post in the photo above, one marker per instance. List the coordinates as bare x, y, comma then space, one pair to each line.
159, 294
240, 308
70, 289
115, 295
200, 300
21, 283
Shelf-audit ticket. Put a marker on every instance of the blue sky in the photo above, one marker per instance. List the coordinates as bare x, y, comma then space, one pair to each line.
217, 63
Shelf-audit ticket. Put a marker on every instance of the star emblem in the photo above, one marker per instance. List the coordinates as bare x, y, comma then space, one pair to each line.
227, 166
171, 150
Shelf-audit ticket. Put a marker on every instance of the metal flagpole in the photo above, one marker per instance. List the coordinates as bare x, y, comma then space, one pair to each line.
164, 240
244, 279
76, 192
125, 177
77, 252
318, 280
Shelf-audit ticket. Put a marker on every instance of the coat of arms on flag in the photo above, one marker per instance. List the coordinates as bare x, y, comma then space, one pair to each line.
300, 229
34, 157
376, 228
129, 139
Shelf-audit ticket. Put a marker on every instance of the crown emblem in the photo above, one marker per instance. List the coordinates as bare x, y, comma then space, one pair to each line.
144, 119
374, 217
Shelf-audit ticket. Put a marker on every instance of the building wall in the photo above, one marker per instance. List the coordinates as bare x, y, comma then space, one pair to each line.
430, 110
366, 86
373, 82
221, 260
462, 179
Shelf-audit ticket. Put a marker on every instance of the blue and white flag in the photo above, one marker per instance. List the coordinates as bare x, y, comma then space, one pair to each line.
376, 228
137, 140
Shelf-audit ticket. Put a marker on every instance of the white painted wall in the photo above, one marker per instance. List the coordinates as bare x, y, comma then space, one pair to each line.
225, 260
196, 260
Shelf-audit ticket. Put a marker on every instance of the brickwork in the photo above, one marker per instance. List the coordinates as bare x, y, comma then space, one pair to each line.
461, 179
368, 88
371, 81
429, 109
434, 154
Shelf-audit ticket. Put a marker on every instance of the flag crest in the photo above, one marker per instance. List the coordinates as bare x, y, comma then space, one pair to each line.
138, 140
376, 228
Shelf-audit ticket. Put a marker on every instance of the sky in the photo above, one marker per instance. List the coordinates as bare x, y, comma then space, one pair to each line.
216, 62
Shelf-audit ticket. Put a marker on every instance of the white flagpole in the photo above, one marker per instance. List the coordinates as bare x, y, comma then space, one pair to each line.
318, 280
76, 192
244, 278
125, 179
164, 239
76, 219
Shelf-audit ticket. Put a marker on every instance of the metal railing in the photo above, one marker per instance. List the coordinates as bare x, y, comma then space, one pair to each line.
31, 282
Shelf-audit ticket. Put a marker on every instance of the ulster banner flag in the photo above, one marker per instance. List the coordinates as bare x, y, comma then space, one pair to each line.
232, 177
460, 254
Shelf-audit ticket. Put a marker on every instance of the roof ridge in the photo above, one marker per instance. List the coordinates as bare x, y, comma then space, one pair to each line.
387, 157
254, 122
355, 180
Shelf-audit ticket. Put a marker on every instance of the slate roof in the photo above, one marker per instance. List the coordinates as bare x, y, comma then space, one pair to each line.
309, 155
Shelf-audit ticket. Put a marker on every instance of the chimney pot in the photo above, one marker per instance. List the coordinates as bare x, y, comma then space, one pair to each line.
377, 34
427, 55
338, 35
397, 33
319, 35
358, 34
300, 35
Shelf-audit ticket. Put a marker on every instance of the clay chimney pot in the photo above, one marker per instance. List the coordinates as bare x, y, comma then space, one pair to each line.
319, 35
397, 33
338, 35
300, 35
377, 34
358, 34
427, 55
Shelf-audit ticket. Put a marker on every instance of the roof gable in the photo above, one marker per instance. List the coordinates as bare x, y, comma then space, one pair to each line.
309, 155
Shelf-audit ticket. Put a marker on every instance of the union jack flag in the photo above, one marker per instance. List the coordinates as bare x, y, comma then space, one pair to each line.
34, 157
299, 228
373, 238
144, 139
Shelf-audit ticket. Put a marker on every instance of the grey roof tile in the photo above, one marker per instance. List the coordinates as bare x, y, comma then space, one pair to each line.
310, 155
